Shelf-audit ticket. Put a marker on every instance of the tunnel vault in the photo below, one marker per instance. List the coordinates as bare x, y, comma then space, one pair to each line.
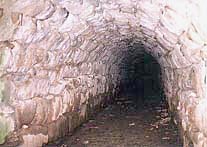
59, 62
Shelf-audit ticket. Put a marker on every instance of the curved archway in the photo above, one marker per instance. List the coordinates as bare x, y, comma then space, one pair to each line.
57, 56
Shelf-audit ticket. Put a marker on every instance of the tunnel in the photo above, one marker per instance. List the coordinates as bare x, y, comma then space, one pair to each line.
136, 115
140, 74
63, 60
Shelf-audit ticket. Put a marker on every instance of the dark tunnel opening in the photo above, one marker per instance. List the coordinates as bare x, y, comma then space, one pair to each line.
141, 78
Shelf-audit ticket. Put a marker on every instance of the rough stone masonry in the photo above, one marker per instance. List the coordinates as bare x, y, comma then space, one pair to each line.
59, 62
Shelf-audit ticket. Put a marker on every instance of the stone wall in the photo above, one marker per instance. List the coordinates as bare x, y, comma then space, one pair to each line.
60, 59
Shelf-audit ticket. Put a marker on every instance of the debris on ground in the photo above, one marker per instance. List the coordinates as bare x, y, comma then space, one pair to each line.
86, 142
126, 124
132, 124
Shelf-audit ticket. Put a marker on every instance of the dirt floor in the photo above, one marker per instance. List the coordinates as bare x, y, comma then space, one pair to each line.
126, 123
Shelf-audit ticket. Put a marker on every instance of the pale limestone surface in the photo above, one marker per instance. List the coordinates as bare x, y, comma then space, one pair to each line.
60, 59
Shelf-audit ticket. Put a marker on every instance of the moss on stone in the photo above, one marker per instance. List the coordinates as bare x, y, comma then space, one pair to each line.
2, 84
4, 56
4, 129
1, 57
2, 87
4, 92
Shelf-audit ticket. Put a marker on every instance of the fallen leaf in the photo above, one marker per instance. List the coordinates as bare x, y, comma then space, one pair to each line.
151, 129
132, 124
165, 138
93, 127
86, 142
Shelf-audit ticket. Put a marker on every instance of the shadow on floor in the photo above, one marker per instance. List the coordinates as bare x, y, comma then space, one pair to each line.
126, 123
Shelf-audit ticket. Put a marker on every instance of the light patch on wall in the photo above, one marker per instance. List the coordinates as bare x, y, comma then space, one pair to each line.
6, 126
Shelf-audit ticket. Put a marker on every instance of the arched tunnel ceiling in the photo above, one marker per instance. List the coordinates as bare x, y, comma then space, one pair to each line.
57, 54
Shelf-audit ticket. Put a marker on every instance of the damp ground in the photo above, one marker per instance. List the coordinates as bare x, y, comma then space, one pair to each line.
126, 123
